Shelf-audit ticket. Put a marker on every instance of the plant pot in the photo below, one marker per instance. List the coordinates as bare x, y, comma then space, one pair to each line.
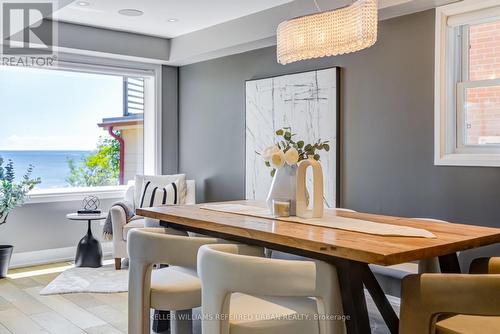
5, 255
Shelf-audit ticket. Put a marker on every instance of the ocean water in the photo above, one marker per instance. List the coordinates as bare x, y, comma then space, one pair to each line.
50, 166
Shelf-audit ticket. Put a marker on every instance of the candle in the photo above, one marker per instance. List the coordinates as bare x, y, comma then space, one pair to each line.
281, 208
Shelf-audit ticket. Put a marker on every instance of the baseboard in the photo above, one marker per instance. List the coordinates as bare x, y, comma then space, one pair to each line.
26, 259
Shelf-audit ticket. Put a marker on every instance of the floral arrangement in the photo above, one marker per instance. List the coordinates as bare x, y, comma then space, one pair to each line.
13, 193
288, 150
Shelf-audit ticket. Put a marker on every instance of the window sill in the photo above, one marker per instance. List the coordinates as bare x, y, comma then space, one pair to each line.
74, 194
470, 160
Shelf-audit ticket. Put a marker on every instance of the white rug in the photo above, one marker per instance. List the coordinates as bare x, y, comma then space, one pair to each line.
88, 280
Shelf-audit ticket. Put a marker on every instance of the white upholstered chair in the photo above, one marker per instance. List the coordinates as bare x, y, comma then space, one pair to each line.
175, 288
253, 294
121, 227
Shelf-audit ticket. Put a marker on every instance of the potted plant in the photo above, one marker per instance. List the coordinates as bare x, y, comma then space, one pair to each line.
12, 193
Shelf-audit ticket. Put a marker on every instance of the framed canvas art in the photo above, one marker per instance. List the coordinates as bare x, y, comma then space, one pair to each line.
308, 102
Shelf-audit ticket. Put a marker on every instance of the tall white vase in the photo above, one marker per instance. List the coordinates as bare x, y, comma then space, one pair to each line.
301, 197
283, 187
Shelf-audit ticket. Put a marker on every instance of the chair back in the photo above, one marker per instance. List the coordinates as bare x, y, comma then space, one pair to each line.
223, 270
148, 246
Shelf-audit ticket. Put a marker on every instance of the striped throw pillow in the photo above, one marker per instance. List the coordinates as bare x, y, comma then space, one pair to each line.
157, 195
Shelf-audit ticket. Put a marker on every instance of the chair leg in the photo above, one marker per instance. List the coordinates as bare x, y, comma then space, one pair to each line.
118, 263
181, 322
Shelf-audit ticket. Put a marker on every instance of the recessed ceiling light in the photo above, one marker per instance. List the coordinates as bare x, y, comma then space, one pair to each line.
130, 12
172, 20
83, 3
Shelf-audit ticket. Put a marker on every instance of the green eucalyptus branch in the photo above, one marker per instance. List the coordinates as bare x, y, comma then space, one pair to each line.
287, 140
13, 193
304, 150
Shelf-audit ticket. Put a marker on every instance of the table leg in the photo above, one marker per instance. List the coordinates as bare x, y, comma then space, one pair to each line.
449, 264
353, 297
89, 251
384, 306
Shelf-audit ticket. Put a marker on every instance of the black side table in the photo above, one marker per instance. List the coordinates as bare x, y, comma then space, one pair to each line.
89, 251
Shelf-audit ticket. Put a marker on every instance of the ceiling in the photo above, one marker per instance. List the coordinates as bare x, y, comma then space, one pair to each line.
192, 15
203, 29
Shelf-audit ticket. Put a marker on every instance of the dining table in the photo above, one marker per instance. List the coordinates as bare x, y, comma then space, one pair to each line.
349, 251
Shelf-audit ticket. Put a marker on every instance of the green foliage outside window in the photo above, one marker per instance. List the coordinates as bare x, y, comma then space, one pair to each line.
101, 168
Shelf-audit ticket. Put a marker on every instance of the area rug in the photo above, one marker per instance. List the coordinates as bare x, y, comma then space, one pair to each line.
88, 280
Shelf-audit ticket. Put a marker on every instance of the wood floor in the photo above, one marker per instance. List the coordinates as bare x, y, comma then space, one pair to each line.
23, 310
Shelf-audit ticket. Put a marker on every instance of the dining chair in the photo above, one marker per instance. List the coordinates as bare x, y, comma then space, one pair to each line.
176, 288
244, 294
453, 303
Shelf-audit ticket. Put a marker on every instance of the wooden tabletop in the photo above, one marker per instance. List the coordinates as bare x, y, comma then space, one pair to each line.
325, 241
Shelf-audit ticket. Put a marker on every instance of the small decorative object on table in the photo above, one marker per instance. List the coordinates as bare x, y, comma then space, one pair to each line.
90, 206
302, 201
281, 208
283, 158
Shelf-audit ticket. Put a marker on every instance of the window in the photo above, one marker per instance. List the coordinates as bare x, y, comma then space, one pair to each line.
81, 126
468, 84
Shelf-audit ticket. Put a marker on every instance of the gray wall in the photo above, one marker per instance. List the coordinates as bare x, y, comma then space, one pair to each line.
112, 42
170, 119
387, 148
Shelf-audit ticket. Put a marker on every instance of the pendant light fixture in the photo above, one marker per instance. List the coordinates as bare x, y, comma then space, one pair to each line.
335, 32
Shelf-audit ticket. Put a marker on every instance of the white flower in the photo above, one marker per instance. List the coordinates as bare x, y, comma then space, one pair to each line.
269, 151
291, 156
277, 159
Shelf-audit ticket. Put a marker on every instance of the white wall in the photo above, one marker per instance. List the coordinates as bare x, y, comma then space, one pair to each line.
41, 233
133, 137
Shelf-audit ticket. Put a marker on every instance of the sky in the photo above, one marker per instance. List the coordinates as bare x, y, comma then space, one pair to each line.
55, 110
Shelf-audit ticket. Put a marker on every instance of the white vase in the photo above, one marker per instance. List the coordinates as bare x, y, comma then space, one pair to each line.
283, 187
302, 195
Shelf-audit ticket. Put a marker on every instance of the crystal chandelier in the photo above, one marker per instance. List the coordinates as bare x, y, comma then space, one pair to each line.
330, 33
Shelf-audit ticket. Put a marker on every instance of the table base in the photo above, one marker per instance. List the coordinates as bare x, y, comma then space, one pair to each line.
89, 251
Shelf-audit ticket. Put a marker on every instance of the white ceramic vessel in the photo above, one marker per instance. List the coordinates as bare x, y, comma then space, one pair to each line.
283, 187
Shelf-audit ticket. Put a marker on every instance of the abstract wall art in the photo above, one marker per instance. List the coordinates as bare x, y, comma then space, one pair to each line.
308, 102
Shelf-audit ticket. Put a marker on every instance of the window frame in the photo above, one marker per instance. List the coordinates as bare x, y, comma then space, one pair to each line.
451, 81
462, 147
152, 123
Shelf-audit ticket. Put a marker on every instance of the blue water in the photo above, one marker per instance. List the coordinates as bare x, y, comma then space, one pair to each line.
50, 166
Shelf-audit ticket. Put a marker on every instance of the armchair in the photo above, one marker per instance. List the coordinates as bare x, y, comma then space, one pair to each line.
121, 227
453, 303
